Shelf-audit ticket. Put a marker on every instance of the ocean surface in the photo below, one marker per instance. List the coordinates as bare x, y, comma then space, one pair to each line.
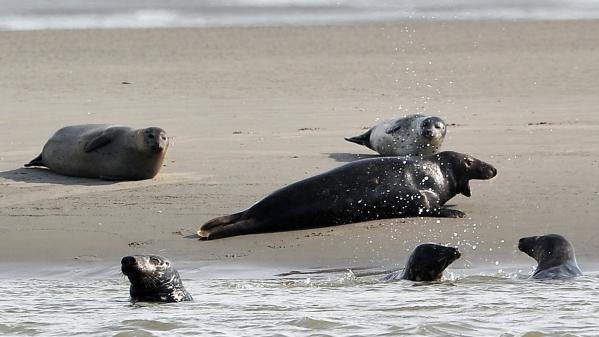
83, 14
91, 302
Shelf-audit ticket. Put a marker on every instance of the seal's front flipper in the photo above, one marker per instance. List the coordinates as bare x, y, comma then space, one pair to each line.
451, 213
100, 140
363, 139
396, 126
36, 162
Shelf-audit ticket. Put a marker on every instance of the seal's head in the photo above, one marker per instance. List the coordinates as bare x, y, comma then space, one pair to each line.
461, 168
548, 250
153, 279
155, 139
428, 261
433, 129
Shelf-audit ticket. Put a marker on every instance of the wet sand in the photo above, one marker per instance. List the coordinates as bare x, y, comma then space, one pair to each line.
253, 109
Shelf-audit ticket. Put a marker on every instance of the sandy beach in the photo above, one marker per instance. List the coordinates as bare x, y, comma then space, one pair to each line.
250, 110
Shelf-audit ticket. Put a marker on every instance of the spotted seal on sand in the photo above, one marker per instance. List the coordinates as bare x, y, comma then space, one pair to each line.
153, 279
367, 189
554, 255
426, 263
411, 135
104, 151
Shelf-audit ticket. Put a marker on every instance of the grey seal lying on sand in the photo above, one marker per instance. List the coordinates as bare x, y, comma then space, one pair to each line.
554, 255
362, 190
426, 263
153, 279
104, 151
411, 135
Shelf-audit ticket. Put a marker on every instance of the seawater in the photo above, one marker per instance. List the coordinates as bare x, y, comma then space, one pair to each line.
85, 14
465, 303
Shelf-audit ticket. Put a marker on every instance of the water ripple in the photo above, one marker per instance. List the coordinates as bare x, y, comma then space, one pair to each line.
325, 305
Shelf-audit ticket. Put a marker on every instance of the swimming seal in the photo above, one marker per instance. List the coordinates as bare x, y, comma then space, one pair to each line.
368, 189
554, 255
104, 151
153, 279
411, 135
426, 263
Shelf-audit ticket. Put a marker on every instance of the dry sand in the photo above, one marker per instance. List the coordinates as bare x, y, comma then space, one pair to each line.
252, 109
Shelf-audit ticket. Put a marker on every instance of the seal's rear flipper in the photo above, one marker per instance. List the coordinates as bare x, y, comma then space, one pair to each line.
239, 228
363, 139
36, 162
221, 221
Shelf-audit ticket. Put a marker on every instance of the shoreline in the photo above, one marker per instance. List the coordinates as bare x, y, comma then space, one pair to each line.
253, 109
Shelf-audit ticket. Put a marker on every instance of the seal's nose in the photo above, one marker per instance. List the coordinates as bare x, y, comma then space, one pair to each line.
488, 171
522, 244
128, 261
456, 253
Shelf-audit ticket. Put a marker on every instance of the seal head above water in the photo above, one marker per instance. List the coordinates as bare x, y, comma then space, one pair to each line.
411, 135
153, 279
426, 263
554, 255
104, 151
368, 189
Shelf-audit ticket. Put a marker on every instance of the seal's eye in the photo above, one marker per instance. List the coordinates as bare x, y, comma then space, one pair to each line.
468, 161
154, 260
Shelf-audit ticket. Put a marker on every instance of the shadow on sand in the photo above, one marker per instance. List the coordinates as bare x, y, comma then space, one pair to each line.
349, 157
42, 175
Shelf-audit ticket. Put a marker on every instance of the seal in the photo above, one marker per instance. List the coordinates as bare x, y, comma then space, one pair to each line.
554, 255
426, 263
104, 151
408, 136
367, 189
153, 279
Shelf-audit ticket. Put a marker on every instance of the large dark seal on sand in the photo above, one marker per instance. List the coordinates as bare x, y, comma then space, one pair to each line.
104, 151
411, 135
153, 279
554, 255
367, 189
426, 263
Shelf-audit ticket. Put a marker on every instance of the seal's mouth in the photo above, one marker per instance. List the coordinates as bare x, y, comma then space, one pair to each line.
157, 148
446, 260
489, 172
431, 134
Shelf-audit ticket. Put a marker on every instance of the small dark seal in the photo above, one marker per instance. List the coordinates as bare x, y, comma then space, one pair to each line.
153, 279
368, 189
554, 255
411, 135
104, 151
426, 263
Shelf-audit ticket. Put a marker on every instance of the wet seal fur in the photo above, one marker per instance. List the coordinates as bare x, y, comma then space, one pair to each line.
368, 189
104, 151
153, 279
426, 263
411, 135
554, 255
